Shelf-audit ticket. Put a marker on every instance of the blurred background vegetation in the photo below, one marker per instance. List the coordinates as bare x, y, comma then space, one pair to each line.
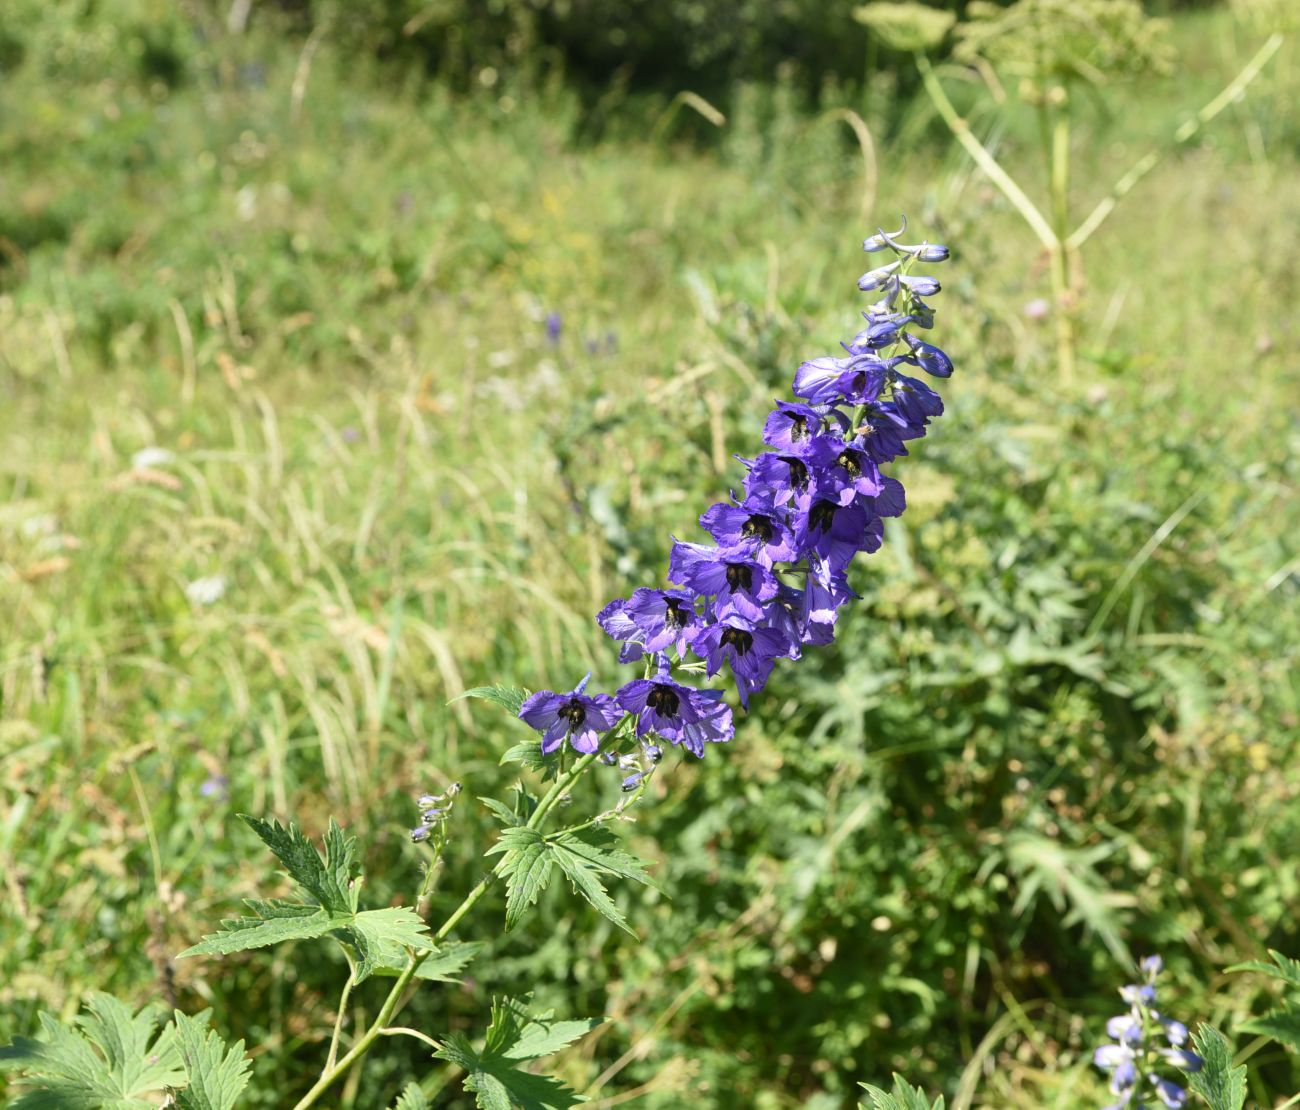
301, 255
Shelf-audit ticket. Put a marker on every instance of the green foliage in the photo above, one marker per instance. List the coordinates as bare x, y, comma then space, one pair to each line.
412, 1098
1221, 1085
512, 1038
583, 855
906, 26
381, 938
902, 1097
510, 698
216, 1073
114, 1059
1282, 1024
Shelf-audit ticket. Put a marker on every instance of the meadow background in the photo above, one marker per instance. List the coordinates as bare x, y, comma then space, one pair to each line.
309, 252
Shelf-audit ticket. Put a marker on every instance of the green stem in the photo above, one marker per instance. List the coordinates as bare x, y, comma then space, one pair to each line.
1184, 134
333, 1071
338, 1021
982, 158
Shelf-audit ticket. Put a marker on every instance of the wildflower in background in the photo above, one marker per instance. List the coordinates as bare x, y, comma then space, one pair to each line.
554, 326
215, 786
775, 578
206, 591
435, 810
574, 716
150, 457
1136, 1053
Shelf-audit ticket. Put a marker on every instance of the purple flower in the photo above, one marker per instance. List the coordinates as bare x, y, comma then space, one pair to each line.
215, 786
929, 358
664, 617
915, 400
618, 623
736, 582
574, 715
838, 532
679, 714
791, 426
785, 479
857, 380
748, 650
825, 593
554, 326
757, 525
882, 432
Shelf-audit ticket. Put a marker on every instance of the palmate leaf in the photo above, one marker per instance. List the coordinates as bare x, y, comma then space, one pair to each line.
512, 1036
1282, 967
903, 1096
1282, 1025
331, 881
1221, 1085
216, 1073
412, 1098
382, 938
449, 959
526, 863
111, 1061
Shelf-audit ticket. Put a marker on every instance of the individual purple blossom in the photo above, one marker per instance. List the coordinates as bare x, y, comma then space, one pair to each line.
929, 358
838, 532
679, 714
215, 786
788, 479
736, 582
575, 716
857, 380
757, 525
667, 617
791, 427
881, 432
824, 594
915, 400
618, 623
750, 652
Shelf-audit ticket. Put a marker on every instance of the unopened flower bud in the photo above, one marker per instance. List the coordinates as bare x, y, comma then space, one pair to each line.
633, 781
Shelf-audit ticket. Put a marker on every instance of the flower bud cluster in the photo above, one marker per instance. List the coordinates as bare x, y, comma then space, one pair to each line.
1145, 1041
435, 809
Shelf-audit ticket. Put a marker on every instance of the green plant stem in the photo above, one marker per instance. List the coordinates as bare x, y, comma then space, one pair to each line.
338, 1021
981, 156
1184, 134
333, 1071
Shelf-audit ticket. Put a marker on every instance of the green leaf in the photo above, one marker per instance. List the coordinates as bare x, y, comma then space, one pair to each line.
331, 882
1283, 967
1282, 1025
604, 851
244, 933
111, 1060
512, 1036
529, 753
526, 863
444, 966
502, 812
509, 697
586, 881
903, 1097
216, 1073
381, 937
413, 1098
1221, 1085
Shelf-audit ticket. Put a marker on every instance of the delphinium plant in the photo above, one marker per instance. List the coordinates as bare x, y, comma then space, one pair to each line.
768, 586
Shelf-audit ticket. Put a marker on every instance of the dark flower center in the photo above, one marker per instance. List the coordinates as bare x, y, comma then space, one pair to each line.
739, 577
573, 712
739, 639
758, 525
798, 472
676, 615
663, 700
851, 461
822, 515
798, 428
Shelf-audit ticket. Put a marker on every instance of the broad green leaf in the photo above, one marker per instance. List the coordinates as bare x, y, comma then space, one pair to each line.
604, 851
412, 1098
512, 1036
586, 881
244, 933
903, 1096
112, 1060
525, 864
1282, 967
509, 697
216, 1073
444, 966
502, 812
330, 881
381, 937
1282, 1025
1221, 1085
529, 753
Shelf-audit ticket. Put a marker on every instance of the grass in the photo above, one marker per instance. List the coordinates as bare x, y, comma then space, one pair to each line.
1076, 664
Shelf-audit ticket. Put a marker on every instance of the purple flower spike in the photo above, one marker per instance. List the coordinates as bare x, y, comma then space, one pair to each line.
574, 715
837, 532
749, 651
679, 714
736, 582
757, 525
